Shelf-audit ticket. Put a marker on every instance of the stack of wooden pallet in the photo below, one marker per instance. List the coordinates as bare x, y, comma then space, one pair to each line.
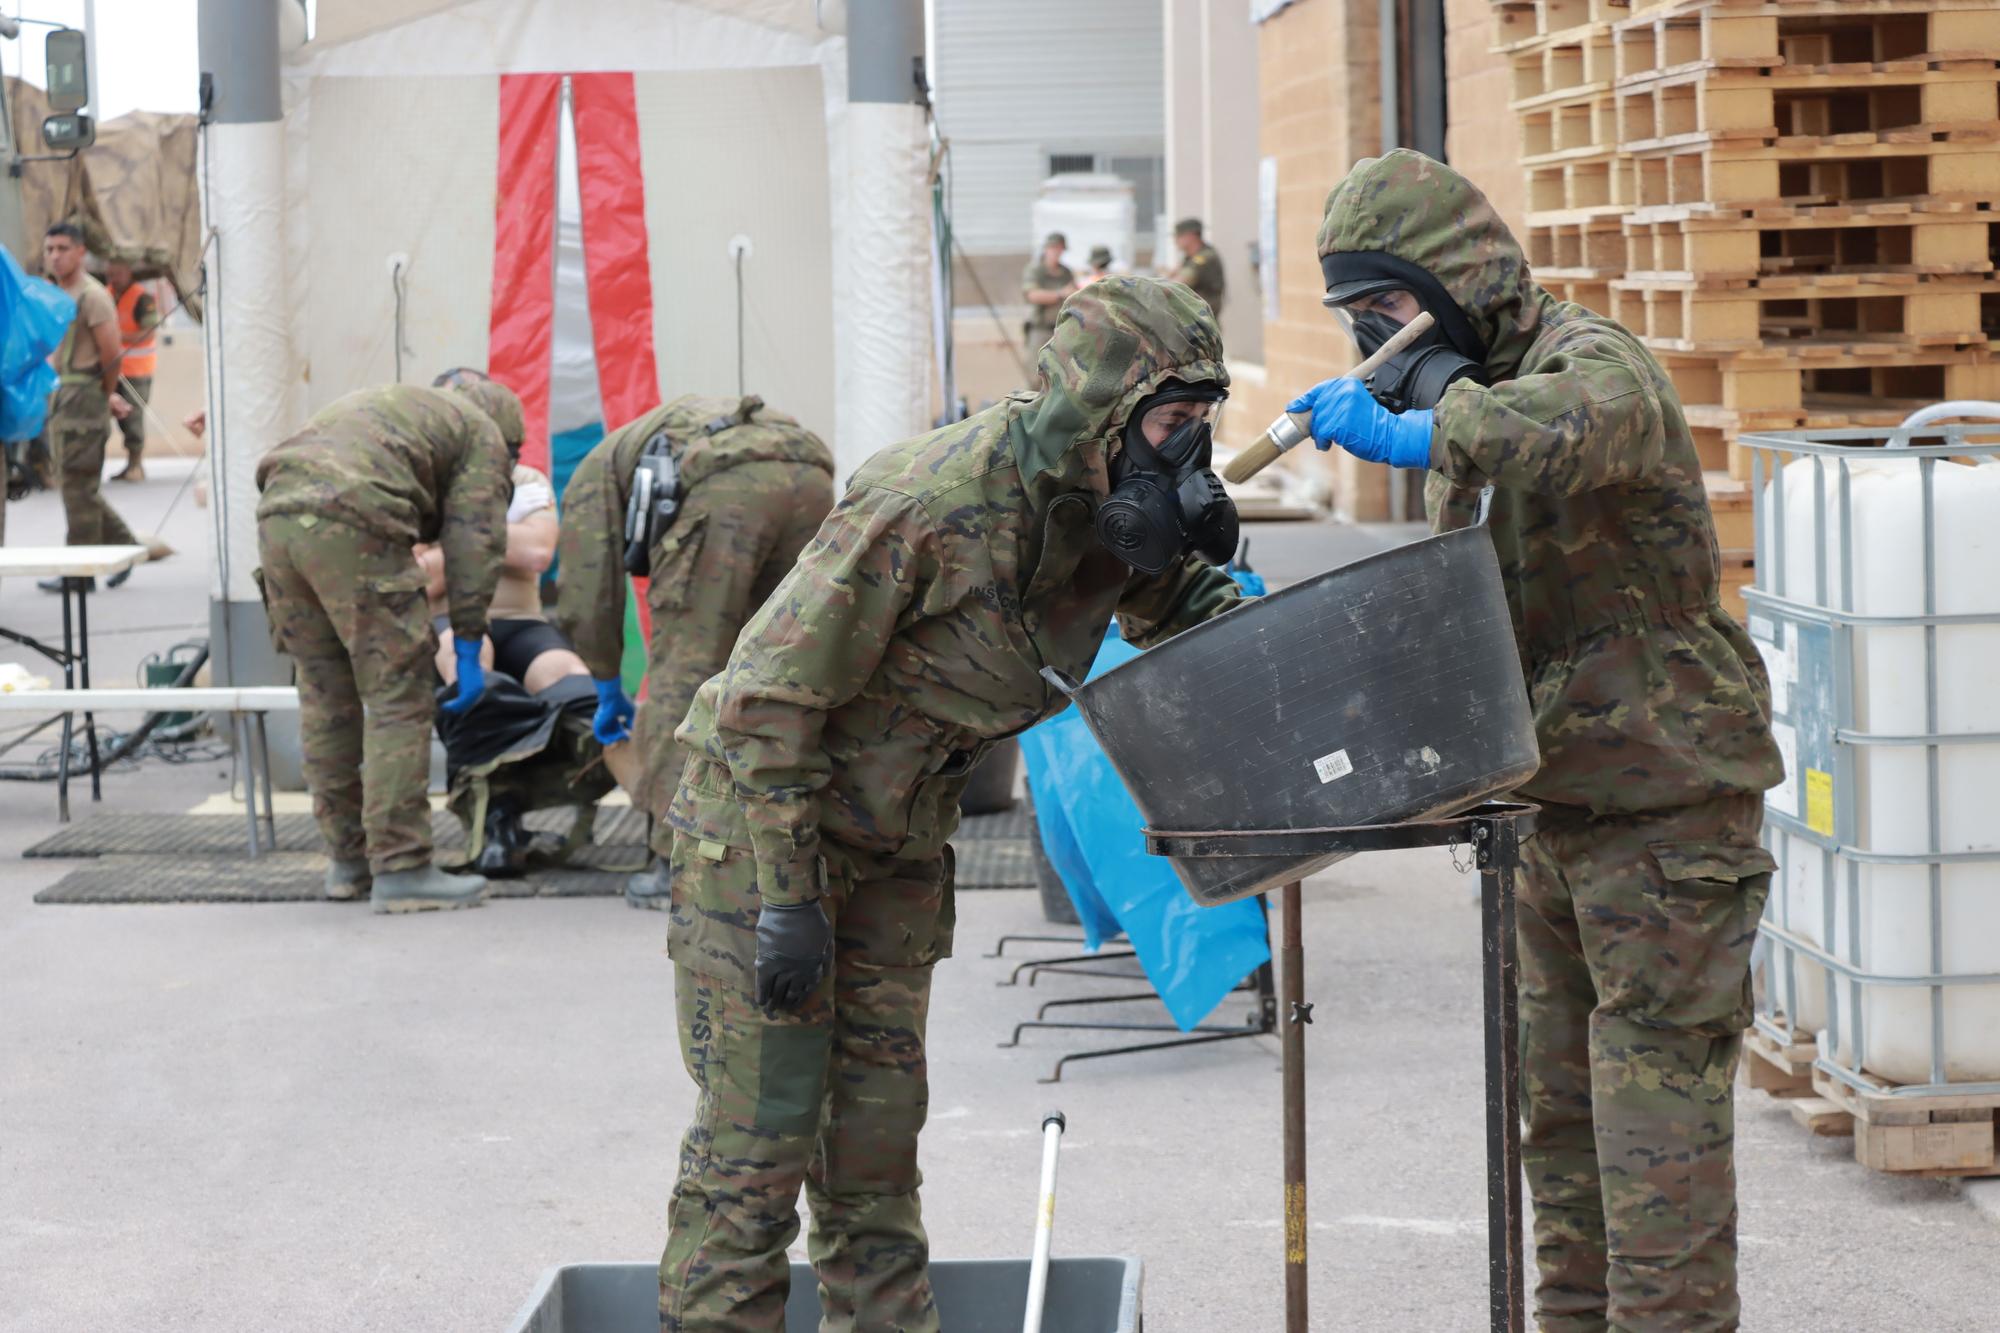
1793, 202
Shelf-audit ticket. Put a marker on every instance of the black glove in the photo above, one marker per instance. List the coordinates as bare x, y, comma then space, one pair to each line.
794, 950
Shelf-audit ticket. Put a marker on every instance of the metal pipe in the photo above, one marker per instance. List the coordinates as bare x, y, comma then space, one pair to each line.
1291, 963
1497, 852
1045, 1223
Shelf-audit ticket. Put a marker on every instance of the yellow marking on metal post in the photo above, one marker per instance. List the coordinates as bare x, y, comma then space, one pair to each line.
1819, 802
1295, 1224
1049, 1211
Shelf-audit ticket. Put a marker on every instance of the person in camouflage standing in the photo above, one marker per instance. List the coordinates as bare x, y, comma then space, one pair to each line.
754, 485
343, 502
1045, 284
1200, 266
1645, 878
85, 403
812, 872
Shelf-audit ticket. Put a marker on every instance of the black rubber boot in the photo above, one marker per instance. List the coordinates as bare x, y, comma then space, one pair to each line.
652, 887
504, 853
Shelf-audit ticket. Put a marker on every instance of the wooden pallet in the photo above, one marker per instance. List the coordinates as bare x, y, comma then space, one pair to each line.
1579, 186
1868, 311
1725, 398
1570, 130
1520, 23
1914, 103
1831, 36
1739, 174
1717, 247
1946, 1135
1731, 505
1781, 1070
1572, 66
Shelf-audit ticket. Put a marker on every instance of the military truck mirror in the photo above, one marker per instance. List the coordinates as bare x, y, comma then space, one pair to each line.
67, 134
69, 71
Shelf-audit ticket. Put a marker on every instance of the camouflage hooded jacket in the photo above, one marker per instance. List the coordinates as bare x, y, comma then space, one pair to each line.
409, 465
1647, 694
711, 434
913, 630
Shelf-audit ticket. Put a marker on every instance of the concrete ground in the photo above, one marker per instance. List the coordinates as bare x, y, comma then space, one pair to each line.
309, 1117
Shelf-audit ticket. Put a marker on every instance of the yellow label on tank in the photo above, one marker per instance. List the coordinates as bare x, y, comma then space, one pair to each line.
1819, 802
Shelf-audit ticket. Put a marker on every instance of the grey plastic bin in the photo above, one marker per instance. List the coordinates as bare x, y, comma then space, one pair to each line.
1086, 1295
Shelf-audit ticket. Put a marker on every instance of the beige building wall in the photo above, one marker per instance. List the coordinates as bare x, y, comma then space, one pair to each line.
1319, 114
1211, 158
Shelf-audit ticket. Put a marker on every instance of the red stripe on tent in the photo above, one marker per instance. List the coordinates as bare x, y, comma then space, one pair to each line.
520, 329
612, 185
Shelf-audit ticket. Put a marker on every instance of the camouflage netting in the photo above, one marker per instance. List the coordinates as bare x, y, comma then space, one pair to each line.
134, 191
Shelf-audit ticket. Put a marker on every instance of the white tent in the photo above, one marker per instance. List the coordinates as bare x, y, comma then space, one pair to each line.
395, 155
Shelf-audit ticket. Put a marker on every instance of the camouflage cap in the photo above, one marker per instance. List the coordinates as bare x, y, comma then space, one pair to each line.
493, 398
1100, 256
1188, 227
1055, 238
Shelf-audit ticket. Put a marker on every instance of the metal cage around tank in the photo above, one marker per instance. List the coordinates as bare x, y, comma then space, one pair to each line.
1812, 644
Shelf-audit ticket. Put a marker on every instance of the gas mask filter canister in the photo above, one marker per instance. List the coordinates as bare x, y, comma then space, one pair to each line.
1165, 500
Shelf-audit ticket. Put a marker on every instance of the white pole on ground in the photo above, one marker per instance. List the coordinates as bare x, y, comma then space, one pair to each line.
1045, 1222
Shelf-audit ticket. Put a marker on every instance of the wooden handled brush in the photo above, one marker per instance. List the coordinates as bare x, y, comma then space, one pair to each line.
1289, 429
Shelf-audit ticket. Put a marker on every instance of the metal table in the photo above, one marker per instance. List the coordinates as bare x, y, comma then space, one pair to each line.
1493, 833
73, 565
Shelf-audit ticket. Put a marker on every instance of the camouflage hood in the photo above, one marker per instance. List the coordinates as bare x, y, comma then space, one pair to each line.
1421, 211
497, 401
1114, 343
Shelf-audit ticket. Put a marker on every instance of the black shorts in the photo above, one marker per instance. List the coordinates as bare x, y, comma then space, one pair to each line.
517, 643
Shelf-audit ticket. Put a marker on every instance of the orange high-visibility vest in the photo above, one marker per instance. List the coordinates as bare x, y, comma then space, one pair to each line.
140, 358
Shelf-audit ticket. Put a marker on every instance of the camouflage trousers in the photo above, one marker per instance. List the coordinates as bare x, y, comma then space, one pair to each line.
830, 1098
137, 390
79, 425
737, 536
349, 608
1635, 935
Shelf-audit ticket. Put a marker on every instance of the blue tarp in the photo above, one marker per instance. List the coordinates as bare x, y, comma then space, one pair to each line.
33, 315
1193, 955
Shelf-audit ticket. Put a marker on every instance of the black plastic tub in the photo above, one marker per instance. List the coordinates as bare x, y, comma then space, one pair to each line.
1085, 1295
1389, 689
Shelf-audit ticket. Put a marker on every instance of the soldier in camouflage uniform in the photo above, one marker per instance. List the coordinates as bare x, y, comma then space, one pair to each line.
1046, 283
85, 403
1201, 266
1644, 879
754, 486
825, 767
343, 502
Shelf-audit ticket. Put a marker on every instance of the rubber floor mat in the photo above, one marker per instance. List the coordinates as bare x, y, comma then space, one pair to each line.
229, 835
278, 877
183, 864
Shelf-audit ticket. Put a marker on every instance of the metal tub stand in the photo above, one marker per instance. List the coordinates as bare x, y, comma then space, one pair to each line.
1493, 832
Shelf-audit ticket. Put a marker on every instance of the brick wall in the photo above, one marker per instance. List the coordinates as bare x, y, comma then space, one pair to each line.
1317, 75
1482, 138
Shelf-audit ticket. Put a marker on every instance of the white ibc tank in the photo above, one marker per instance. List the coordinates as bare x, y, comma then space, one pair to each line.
1890, 933
1089, 209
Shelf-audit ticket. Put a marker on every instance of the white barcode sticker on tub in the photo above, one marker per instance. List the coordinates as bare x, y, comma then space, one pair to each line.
1331, 766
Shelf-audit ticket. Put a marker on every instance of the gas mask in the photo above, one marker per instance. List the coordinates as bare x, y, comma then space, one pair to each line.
1165, 502
656, 499
1417, 376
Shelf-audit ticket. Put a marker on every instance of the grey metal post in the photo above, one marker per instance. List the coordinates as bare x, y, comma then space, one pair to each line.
238, 42
884, 38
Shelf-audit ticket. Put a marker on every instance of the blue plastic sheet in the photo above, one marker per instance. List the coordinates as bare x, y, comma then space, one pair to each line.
1193, 955
33, 315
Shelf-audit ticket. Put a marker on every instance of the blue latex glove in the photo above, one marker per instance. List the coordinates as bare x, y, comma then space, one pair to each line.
612, 722
1346, 414
471, 676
